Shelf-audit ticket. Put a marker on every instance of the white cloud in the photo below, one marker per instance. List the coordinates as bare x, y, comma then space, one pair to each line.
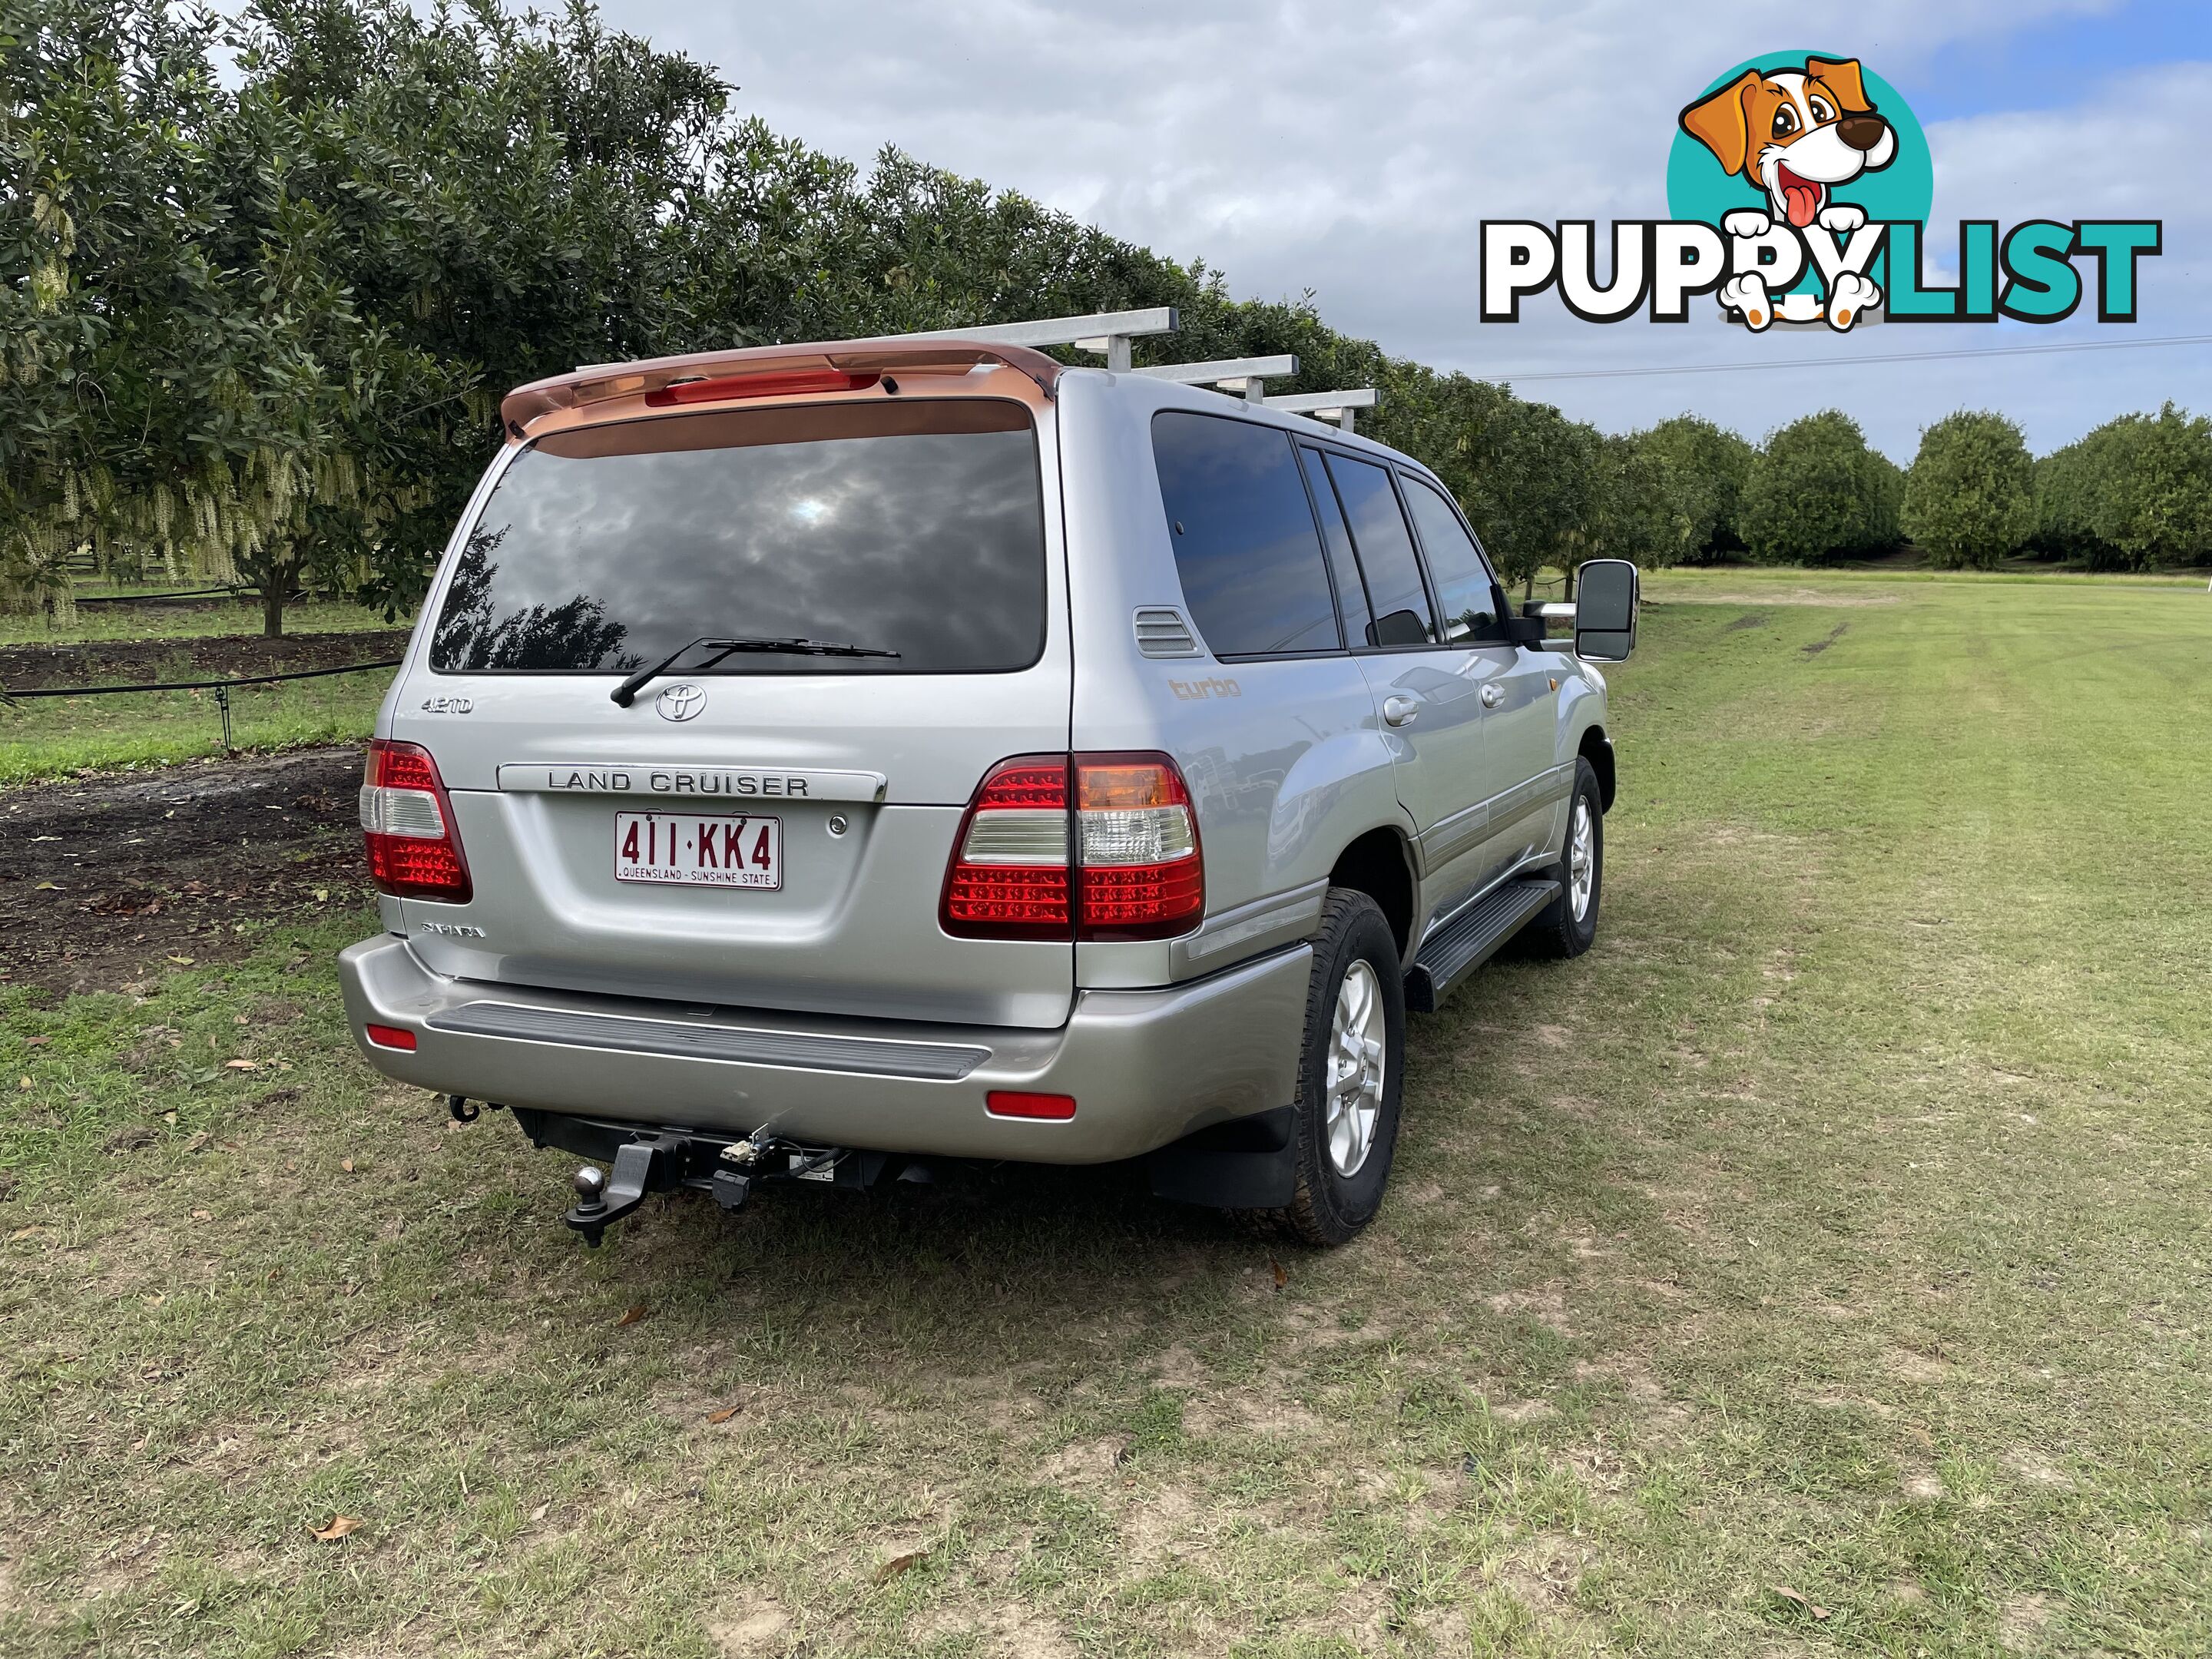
1352, 150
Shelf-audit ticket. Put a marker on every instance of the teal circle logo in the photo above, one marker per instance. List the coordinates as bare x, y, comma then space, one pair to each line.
1700, 185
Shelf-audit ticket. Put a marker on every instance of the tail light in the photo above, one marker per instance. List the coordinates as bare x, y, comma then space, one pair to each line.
414, 850
1009, 874
1114, 858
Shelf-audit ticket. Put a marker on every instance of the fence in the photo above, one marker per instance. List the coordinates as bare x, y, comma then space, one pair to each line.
221, 687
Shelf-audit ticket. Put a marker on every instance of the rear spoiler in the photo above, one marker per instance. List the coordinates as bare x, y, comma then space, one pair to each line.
596, 383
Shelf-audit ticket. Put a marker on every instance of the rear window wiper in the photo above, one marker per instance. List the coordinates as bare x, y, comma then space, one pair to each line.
626, 693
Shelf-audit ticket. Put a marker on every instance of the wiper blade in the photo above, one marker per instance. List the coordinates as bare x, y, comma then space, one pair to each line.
625, 694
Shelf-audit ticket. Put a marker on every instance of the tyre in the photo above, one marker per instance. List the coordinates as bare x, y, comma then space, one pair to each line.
1567, 926
1350, 1070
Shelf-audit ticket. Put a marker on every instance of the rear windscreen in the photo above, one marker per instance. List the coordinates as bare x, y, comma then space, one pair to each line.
911, 527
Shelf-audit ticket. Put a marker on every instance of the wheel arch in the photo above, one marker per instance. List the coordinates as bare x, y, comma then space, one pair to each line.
1596, 748
1379, 864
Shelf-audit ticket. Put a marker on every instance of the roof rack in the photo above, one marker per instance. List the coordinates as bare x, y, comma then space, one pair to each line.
1110, 332
1244, 377
1106, 331
1335, 406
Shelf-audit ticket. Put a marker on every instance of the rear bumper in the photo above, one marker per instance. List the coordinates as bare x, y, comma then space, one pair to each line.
1145, 1067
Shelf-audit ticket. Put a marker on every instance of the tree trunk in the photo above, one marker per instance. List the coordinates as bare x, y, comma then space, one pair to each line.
272, 604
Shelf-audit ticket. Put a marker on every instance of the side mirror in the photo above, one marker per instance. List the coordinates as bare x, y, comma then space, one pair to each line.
1606, 593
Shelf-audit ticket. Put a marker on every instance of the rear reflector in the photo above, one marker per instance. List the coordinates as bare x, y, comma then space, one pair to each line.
1013, 1103
722, 387
392, 1036
414, 850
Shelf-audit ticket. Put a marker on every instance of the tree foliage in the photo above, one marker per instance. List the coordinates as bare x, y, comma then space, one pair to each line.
188, 379
256, 324
1970, 496
1702, 472
1817, 492
2134, 494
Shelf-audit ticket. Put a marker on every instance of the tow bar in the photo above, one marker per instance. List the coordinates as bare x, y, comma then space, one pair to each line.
726, 1171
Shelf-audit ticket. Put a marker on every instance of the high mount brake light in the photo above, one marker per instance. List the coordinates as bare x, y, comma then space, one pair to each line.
1122, 862
414, 849
721, 387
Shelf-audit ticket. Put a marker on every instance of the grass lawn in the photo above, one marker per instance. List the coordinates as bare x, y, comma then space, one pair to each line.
1820, 1265
52, 736
138, 621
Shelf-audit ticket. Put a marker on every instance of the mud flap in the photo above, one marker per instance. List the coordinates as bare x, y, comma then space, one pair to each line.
1246, 1163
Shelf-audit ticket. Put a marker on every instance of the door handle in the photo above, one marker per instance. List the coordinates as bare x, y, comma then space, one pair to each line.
1492, 695
1400, 711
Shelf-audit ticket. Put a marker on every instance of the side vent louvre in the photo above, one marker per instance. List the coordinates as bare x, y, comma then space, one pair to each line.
1161, 632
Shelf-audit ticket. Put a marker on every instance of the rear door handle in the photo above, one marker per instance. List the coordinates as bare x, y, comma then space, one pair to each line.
1492, 695
1400, 711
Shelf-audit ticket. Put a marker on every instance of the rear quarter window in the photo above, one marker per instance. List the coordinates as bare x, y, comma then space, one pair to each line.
1245, 542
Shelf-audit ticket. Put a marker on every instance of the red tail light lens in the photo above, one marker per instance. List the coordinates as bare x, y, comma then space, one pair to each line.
1119, 861
1142, 876
414, 850
724, 386
1009, 876
392, 1036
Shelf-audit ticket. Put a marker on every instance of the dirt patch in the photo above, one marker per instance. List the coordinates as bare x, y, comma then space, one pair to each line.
108, 881
753, 1627
1152, 1530
1749, 619
1817, 646
2022, 1621
1018, 1631
1544, 1572
1086, 1461
1547, 1307
116, 662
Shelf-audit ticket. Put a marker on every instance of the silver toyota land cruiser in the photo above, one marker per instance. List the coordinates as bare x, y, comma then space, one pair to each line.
820, 762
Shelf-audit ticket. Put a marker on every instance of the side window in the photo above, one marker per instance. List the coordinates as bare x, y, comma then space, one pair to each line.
1245, 545
1350, 591
1463, 584
1394, 592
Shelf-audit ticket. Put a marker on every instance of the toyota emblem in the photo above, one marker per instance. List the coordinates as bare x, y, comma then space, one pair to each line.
681, 701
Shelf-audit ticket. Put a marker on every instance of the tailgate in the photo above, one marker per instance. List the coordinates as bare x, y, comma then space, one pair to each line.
770, 829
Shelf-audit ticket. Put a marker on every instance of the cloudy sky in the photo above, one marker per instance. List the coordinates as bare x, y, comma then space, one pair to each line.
1353, 149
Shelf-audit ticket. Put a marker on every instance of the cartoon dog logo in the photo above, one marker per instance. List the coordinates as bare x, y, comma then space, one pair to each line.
1797, 134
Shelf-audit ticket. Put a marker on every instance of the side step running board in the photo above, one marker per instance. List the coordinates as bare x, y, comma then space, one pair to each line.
1470, 939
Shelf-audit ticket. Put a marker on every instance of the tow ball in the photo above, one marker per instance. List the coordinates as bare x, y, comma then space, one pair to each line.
603, 1197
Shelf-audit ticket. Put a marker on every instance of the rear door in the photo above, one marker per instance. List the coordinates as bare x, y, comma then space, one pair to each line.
1429, 692
770, 829
1517, 687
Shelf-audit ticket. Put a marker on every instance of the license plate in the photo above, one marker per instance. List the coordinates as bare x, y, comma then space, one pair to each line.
699, 849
